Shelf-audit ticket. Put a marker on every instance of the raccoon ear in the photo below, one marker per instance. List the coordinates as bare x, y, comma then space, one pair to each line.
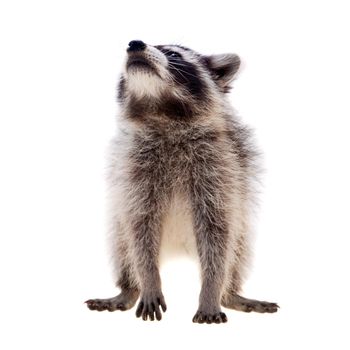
222, 68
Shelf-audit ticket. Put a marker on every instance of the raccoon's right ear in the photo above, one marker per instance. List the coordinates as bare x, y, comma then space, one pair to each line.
222, 68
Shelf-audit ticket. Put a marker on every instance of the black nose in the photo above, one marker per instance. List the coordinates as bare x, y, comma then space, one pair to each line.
136, 45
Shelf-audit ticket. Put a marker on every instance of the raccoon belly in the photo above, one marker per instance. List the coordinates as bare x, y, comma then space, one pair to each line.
177, 230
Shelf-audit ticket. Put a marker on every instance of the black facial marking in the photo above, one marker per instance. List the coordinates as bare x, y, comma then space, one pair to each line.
173, 54
161, 47
187, 81
184, 73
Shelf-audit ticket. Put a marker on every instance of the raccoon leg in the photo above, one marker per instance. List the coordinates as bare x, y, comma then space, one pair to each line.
146, 234
211, 231
126, 279
231, 299
123, 301
237, 302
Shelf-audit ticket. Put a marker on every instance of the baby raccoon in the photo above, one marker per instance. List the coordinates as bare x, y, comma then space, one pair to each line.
182, 172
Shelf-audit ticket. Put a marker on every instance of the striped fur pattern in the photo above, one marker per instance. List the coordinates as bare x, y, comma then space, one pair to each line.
182, 174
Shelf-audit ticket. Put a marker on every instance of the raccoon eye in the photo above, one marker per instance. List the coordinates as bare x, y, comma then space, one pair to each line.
173, 54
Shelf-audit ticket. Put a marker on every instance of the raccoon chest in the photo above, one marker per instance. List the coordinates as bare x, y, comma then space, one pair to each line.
177, 230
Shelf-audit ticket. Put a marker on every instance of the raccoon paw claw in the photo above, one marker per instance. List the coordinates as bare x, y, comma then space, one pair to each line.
149, 307
203, 317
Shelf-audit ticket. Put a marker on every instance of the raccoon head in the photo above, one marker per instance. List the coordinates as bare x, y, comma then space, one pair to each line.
173, 81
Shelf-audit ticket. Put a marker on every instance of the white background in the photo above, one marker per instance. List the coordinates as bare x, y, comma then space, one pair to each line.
59, 68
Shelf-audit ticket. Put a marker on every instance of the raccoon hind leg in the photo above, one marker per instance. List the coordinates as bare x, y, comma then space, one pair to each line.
239, 303
123, 301
231, 299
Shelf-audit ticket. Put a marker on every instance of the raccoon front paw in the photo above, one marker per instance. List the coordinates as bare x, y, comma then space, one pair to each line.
205, 317
149, 307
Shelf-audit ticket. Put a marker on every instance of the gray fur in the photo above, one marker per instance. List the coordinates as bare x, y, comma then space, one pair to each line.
180, 139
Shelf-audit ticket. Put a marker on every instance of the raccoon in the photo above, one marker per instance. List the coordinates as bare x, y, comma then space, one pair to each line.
183, 170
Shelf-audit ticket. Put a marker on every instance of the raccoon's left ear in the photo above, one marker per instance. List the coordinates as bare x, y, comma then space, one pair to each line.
223, 68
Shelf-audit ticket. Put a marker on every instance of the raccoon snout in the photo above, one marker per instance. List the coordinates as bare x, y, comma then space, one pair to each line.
136, 45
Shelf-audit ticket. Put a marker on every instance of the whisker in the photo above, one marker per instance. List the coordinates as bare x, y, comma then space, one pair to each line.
165, 52
178, 64
180, 70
